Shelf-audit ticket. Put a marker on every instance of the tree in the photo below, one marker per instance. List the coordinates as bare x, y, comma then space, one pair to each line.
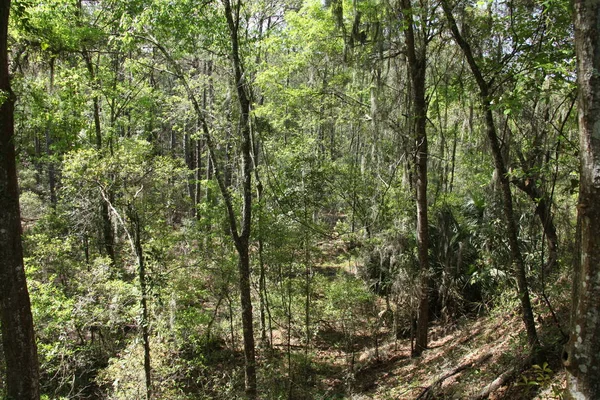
242, 238
485, 94
17, 322
416, 52
136, 177
582, 354
239, 230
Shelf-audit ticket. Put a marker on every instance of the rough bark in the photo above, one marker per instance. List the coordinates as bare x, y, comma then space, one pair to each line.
501, 172
416, 56
582, 353
18, 339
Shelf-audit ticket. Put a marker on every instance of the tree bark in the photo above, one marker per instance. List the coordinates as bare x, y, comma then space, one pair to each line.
582, 353
18, 338
500, 167
262, 280
136, 229
242, 239
417, 57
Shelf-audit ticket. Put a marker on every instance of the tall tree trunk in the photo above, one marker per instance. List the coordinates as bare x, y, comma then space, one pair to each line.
262, 281
242, 239
500, 167
133, 230
582, 353
18, 339
416, 55
453, 158
188, 154
199, 176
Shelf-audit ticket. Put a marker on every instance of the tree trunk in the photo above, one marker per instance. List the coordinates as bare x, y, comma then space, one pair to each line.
136, 229
544, 213
582, 353
416, 56
188, 154
107, 228
262, 280
18, 339
500, 167
242, 239
48, 140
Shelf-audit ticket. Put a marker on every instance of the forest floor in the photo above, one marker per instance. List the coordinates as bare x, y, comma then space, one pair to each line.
477, 357
482, 358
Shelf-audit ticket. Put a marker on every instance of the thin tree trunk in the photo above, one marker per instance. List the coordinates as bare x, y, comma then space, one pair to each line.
188, 154
242, 239
453, 159
95, 99
48, 137
145, 321
18, 338
107, 228
500, 167
210, 324
231, 327
262, 288
262, 280
544, 213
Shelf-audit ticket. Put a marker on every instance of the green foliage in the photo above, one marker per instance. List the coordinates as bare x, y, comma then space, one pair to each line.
348, 305
80, 325
385, 259
123, 378
54, 26
335, 156
540, 376
132, 174
3, 97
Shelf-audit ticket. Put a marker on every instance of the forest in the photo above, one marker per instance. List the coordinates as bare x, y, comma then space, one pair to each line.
299, 199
